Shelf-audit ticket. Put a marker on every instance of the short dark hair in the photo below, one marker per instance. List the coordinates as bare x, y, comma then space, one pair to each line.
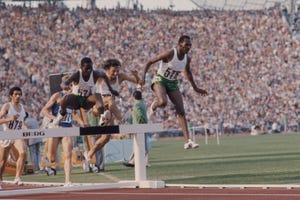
111, 62
11, 91
137, 95
183, 37
86, 60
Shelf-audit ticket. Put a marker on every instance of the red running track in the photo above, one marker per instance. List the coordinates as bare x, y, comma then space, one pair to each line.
172, 193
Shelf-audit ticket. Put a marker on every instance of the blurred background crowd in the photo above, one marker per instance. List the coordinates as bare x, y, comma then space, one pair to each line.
248, 61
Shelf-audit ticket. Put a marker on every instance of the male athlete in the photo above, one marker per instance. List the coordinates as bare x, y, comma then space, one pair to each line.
172, 63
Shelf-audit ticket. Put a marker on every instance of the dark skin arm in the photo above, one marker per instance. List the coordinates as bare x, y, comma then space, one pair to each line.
73, 78
165, 57
188, 74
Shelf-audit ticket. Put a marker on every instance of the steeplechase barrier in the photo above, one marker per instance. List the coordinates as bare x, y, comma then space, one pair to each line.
137, 130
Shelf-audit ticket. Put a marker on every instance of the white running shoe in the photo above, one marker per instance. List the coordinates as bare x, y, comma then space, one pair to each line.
190, 145
50, 171
94, 168
18, 181
105, 118
68, 184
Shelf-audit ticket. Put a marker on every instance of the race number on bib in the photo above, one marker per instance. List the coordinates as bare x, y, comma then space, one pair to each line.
15, 124
171, 74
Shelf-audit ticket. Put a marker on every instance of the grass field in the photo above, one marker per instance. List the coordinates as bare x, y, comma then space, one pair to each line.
240, 159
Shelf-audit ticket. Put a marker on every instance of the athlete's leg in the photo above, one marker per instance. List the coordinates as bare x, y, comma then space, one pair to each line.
67, 145
52, 146
21, 147
94, 100
103, 139
84, 117
161, 96
113, 108
98, 144
4, 152
69, 100
176, 99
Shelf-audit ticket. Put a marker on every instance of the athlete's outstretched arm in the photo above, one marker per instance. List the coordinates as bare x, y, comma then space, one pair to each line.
134, 78
188, 74
163, 56
65, 85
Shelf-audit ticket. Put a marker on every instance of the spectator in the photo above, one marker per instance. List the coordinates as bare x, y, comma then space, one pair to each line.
250, 75
139, 116
34, 144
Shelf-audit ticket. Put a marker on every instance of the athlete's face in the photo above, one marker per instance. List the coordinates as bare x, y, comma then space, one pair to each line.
86, 69
16, 96
185, 46
113, 72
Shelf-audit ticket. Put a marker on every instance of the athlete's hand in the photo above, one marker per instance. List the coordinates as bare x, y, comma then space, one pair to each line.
202, 92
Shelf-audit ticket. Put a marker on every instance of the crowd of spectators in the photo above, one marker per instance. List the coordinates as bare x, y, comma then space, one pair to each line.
246, 60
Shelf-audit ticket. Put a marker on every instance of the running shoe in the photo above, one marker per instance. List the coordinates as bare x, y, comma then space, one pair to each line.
18, 181
190, 145
105, 118
68, 184
128, 164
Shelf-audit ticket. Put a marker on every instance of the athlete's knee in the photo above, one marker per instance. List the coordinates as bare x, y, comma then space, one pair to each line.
67, 155
22, 155
68, 100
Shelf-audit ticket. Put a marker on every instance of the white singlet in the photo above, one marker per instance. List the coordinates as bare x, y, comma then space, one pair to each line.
13, 125
84, 88
171, 69
103, 89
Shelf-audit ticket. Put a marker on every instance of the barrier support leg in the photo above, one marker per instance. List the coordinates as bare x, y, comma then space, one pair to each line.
139, 156
140, 164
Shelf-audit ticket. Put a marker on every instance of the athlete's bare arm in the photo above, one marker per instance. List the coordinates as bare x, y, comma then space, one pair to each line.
189, 76
125, 77
46, 109
74, 78
3, 112
165, 57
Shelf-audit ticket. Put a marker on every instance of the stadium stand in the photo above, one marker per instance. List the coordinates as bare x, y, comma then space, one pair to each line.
247, 59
